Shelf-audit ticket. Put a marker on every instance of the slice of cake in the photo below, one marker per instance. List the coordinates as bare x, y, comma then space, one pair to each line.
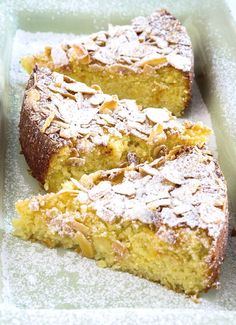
150, 61
165, 221
68, 129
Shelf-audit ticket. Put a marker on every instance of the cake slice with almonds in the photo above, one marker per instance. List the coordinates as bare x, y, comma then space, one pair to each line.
165, 221
68, 129
150, 61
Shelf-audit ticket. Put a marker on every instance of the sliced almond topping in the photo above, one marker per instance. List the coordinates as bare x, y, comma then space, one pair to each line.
58, 79
180, 209
84, 244
81, 54
78, 226
97, 99
79, 87
146, 169
211, 214
97, 88
65, 133
62, 124
157, 115
126, 188
100, 190
158, 203
153, 60
108, 118
110, 103
48, 122
33, 94
156, 131
59, 56
78, 185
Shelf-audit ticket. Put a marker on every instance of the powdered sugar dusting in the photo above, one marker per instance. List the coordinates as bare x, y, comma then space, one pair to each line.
38, 277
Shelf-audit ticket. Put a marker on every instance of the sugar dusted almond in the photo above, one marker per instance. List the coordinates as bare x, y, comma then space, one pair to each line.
97, 99
157, 115
180, 209
85, 245
59, 56
48, 122
79, 87
153, 60
126, 188
158, 203
81, 54
146, 169
33, 94
110, 103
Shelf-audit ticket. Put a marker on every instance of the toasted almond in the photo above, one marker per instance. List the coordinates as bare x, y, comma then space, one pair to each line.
110, 103
48, 122
97, 99
97, 88
78, 185
59, 56
84, 244
126, 188
33, 94
211, 214
76, 225
153, 60
180, 209
58, 79
158, 203
146, 169
79, 87
81, 54
157, 115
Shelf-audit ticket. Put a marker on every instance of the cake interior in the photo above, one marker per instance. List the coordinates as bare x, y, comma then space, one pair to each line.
175, 257
166, 87
118, 152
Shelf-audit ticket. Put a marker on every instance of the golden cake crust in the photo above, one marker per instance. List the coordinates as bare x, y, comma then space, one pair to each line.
58, 112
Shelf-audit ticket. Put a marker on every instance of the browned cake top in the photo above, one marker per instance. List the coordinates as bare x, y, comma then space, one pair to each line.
66, 110
188, 189
148, 43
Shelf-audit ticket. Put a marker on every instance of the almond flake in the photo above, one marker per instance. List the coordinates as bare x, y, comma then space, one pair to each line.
110, 103
126, 188
98, 191
48, 122
97, 99
79, 87
158, 203
80, 53
211, 214
180, 209
146, 169
33, 94
59, 56
153, 60
157, 115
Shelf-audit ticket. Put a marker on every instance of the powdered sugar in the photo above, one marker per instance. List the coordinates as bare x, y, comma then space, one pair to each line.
37, 277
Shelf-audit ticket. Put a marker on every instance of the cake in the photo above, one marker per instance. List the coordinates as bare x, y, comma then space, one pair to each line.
68, 128
150, 61
165, 221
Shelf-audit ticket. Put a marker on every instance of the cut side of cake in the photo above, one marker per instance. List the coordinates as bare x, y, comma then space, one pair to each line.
150, 61
68, 129
165, 221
